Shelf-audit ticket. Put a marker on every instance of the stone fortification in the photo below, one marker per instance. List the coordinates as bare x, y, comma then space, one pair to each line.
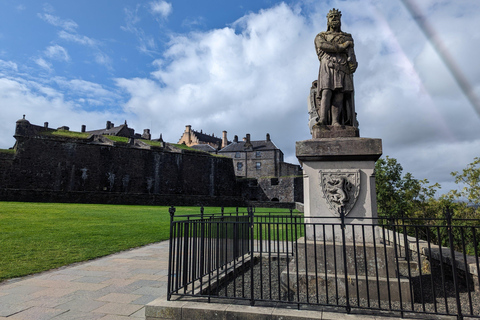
96, 167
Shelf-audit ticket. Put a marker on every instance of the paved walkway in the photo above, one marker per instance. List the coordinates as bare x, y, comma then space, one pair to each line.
115, 287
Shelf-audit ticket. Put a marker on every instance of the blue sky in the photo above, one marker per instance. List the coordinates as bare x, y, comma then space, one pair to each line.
244, 67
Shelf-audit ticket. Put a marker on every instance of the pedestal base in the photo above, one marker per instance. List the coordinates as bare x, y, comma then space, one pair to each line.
371, 272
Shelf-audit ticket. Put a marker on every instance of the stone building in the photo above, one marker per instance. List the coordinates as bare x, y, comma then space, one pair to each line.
258, 158
200, 140
259, 164
120, 131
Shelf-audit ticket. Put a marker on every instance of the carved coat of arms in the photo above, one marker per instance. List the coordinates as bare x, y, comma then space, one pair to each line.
340, 189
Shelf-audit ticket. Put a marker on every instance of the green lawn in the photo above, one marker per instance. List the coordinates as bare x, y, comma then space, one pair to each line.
35, 237
39, 236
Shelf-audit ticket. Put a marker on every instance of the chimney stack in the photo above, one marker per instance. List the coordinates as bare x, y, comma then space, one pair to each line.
268, 136
109, 125
84, 128
235, 139
146, 134
45, 125
224, 139
248, 144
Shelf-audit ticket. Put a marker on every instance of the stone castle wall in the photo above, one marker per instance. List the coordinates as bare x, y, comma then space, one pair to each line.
67, 165
95, 169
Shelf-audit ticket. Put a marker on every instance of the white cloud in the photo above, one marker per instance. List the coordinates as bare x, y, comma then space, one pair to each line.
93, 91
161, 8
68, 32
255, 77
43, 64
41, 103
9, 65
68, 24
146, 43
57, 52
100, 57
74, 37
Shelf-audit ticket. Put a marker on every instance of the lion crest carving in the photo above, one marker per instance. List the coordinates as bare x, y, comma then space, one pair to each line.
340, 189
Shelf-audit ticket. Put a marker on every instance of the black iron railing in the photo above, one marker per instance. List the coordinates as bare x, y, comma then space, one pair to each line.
402, 265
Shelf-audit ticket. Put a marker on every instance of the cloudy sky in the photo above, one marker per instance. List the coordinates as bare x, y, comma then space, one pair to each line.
246, 66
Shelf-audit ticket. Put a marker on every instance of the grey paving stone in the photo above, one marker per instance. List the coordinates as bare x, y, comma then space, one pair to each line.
76, 315
38, 313
92, 279
146, 271
48, 302
121, 309
24, 290
145, 299
119, 297
15, 298
147, 283
9, 309
152, 291
139, 314
85, 273
85, 305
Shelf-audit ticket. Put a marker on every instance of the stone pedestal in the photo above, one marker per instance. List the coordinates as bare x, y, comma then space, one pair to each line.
339, 175
339, 178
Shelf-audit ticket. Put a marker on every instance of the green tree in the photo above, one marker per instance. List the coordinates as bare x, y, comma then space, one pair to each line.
466, 201
470, 177
399, 195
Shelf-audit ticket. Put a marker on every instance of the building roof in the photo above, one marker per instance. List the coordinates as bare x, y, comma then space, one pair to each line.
207, 138
204, 147
113, 131
259, 145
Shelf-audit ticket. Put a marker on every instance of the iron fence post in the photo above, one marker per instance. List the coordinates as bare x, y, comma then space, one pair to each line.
252, 283
452, 259
171, 210
345, 268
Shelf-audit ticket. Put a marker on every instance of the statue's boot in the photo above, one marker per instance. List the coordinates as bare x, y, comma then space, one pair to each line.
322, 118
335, 116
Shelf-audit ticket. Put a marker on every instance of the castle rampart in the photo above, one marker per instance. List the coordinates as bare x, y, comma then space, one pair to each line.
49, 162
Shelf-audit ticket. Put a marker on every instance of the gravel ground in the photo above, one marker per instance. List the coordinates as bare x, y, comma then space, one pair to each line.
427, 297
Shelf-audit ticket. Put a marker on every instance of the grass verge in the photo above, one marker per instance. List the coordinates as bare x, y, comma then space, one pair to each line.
35, 237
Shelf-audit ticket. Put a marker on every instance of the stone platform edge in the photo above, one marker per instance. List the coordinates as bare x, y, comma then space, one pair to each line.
339, 149
191, 308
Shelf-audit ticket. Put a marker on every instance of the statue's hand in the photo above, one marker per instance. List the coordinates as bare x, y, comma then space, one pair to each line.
346, 45
352, 66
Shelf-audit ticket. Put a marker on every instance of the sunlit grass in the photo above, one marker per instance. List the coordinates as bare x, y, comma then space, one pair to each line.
66, 134
39, 236
35, 237
117, 138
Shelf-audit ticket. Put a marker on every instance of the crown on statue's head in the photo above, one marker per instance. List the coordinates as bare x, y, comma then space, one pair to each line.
334, 11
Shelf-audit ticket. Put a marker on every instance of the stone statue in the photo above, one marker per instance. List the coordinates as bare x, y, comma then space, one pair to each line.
331, 98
